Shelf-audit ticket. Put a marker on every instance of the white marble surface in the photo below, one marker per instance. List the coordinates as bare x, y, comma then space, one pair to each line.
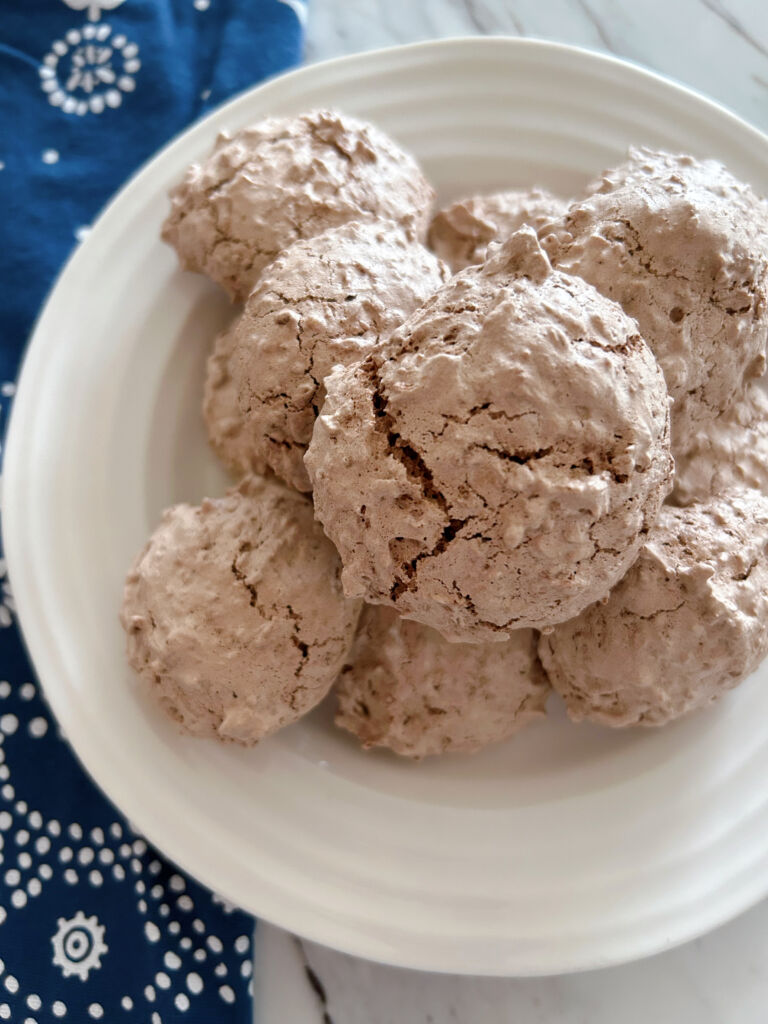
719, 47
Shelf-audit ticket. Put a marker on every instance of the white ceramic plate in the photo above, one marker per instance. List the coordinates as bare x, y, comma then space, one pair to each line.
566, 848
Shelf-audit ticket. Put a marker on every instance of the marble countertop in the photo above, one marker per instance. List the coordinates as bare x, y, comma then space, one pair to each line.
719, 47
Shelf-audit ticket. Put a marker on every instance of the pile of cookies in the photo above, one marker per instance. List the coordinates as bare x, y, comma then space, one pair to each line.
515, 446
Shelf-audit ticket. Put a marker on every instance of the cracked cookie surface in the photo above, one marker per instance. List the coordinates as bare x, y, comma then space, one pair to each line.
406, 688
324, 301
682, 246
287, 178
235, 615
461, 233
688, 622
498, 464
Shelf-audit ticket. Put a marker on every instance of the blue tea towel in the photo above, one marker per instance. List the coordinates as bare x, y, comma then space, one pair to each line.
94, 924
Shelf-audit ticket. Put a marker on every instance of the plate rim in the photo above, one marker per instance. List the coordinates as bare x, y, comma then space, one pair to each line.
46, 657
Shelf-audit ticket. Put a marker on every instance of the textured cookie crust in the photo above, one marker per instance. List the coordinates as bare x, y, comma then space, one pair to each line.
235, 615
408, 689
499, 463
227, 429
682, 246
688, 621
325, 301
287, 178
461, 233
731, 451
